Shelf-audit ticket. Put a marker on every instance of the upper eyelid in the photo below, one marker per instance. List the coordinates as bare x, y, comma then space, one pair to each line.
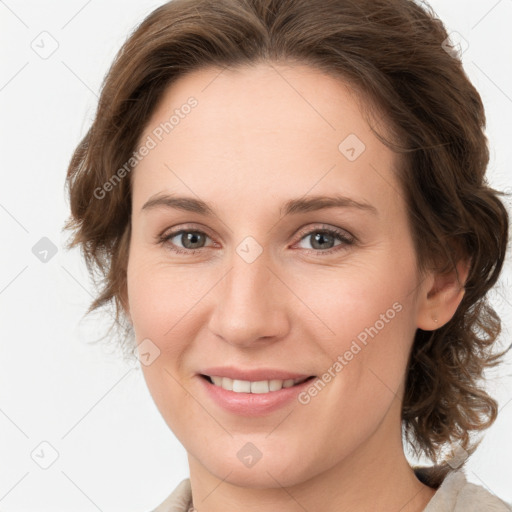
172, 232
325, 227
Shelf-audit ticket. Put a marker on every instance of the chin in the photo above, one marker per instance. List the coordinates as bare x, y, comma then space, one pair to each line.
273, 470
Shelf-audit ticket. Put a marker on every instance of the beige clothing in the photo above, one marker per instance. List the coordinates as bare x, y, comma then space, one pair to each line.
455, 494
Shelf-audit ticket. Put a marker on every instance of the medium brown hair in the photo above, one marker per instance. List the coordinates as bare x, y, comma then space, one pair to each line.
395, 54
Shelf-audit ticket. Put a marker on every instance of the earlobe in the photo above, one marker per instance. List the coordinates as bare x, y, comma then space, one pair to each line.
440, 296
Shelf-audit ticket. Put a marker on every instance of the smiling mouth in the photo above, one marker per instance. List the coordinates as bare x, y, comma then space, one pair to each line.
257, 387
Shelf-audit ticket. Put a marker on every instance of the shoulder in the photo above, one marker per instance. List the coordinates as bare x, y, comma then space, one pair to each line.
180, 500
456, 494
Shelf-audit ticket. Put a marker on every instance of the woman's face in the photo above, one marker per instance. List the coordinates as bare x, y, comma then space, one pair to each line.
237, 264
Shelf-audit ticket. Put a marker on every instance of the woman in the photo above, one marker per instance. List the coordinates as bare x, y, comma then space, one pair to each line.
287, 202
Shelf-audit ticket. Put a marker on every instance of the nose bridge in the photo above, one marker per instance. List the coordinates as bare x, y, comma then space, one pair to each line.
248, 305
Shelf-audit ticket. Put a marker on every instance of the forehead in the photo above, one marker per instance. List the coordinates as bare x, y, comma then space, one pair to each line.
272, 98
264, 126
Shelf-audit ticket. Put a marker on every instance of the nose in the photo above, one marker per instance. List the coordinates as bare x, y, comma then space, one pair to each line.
250, 304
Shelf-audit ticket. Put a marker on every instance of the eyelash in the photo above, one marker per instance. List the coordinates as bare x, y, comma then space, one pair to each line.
343, 236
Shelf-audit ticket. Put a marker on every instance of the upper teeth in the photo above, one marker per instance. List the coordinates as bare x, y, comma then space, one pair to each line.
261, 386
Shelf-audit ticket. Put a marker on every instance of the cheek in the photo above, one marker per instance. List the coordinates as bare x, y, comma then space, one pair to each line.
161, 298
161, 307
354, 302
370, 313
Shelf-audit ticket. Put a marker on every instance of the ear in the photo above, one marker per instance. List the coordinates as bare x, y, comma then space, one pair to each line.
440, 296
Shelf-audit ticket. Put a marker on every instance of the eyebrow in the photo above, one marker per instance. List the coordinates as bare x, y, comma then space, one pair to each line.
290, 207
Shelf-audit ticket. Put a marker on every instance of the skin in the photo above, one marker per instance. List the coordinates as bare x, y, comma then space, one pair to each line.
259, 136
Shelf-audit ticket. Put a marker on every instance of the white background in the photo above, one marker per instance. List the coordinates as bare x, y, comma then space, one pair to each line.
115, 451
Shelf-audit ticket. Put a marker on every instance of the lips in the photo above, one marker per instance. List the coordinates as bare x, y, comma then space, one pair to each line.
251, 402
